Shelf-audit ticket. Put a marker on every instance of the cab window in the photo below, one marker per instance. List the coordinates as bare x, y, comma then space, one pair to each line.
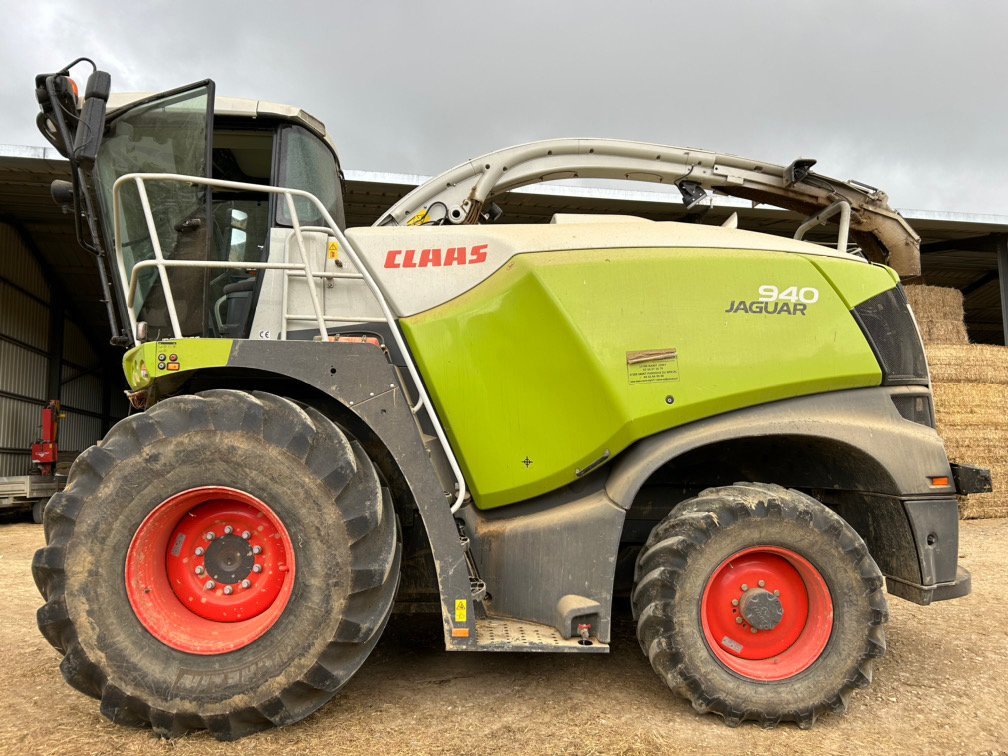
307, 162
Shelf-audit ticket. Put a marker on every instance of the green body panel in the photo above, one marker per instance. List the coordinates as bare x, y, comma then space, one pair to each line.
530, 372
141, 363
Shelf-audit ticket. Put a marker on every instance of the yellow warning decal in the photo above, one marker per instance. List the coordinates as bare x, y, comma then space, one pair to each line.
419, 219
333, 250
461, 610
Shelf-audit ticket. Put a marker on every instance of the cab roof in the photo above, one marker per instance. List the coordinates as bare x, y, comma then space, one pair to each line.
238, 107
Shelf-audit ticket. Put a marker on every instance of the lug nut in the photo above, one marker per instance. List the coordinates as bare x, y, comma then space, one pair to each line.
246, 583
210, 585
200, 551
738, 620
228, 530
210, 535
744, 587
246, 535
199, 570
257, 568
257, 549
227, 590
734, 602
752, 629
762, 583
776, 593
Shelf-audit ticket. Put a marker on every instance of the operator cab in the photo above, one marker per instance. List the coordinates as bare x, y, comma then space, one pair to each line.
247, 141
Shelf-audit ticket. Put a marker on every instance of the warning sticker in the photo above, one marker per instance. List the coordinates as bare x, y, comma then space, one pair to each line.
652, 366
333, 250
419, 219
460, 610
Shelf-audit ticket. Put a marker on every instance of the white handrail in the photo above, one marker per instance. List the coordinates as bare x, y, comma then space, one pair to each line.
331, 228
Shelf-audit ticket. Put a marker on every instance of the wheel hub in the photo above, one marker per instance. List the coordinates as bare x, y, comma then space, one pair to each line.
228, 560
761, 609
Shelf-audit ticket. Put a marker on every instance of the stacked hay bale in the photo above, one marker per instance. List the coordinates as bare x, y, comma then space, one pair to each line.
970, 384
939, 313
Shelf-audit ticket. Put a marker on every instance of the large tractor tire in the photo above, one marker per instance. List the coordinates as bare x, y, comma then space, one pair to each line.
223, 561
757, 602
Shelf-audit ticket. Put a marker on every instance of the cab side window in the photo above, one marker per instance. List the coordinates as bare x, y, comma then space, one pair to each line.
307, 162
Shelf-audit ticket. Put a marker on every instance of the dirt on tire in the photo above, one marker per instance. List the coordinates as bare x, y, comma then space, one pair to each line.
941, 687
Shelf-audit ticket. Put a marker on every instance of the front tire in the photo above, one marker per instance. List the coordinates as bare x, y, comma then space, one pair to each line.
757, 602
223, 561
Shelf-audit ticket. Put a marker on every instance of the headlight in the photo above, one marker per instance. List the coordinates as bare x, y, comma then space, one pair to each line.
892, 333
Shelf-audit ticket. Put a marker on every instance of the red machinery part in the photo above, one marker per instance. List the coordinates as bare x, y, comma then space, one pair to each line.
45, 451
210, 570
767, 613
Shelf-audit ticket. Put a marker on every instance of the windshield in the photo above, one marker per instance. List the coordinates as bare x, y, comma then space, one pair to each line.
164, 135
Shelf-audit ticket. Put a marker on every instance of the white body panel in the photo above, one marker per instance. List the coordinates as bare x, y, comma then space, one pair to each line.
418, 267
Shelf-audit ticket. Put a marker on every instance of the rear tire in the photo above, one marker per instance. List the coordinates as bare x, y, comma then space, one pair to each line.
757, 602
103, 572
38, 509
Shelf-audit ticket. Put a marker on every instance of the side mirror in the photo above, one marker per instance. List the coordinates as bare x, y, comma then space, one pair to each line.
92, 119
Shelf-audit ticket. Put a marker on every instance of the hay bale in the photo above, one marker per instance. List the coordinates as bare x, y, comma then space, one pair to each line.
939, 314
973, 363
972, 418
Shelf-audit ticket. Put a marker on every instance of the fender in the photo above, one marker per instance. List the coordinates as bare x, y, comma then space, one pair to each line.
359, 377
873, 448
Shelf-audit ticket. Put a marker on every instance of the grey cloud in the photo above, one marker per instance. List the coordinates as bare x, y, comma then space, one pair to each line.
903, 95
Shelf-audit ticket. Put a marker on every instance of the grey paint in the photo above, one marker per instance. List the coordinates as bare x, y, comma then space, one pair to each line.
360, 378
863, 420
551, 560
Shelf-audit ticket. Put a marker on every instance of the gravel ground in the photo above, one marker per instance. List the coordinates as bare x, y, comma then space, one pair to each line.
942, 687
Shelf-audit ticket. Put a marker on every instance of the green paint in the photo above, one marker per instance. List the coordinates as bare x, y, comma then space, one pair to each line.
141, 363
854, 283
529, 370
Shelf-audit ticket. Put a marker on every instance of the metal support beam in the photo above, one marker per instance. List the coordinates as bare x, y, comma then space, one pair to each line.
984, 243
1002, 259
55, 345
979, 283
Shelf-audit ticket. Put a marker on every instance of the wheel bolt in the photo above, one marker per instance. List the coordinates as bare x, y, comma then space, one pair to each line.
752, 629
199, 570
246, 535
227, 590
257, 549
776, 593
734, 602
738, 620
228, 530
210, 585
257, 568
200, 551
246, 583
744, 587
210, 535
762, 583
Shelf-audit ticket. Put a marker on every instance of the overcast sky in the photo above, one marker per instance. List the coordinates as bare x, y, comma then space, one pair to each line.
906, 96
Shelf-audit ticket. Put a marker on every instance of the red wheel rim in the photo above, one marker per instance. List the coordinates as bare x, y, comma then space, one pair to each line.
766, 613
210, 570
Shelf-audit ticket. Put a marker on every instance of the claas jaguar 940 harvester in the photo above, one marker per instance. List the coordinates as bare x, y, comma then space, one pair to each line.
510, 424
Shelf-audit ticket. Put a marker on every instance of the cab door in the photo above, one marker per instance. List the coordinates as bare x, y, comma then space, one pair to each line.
166, 133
